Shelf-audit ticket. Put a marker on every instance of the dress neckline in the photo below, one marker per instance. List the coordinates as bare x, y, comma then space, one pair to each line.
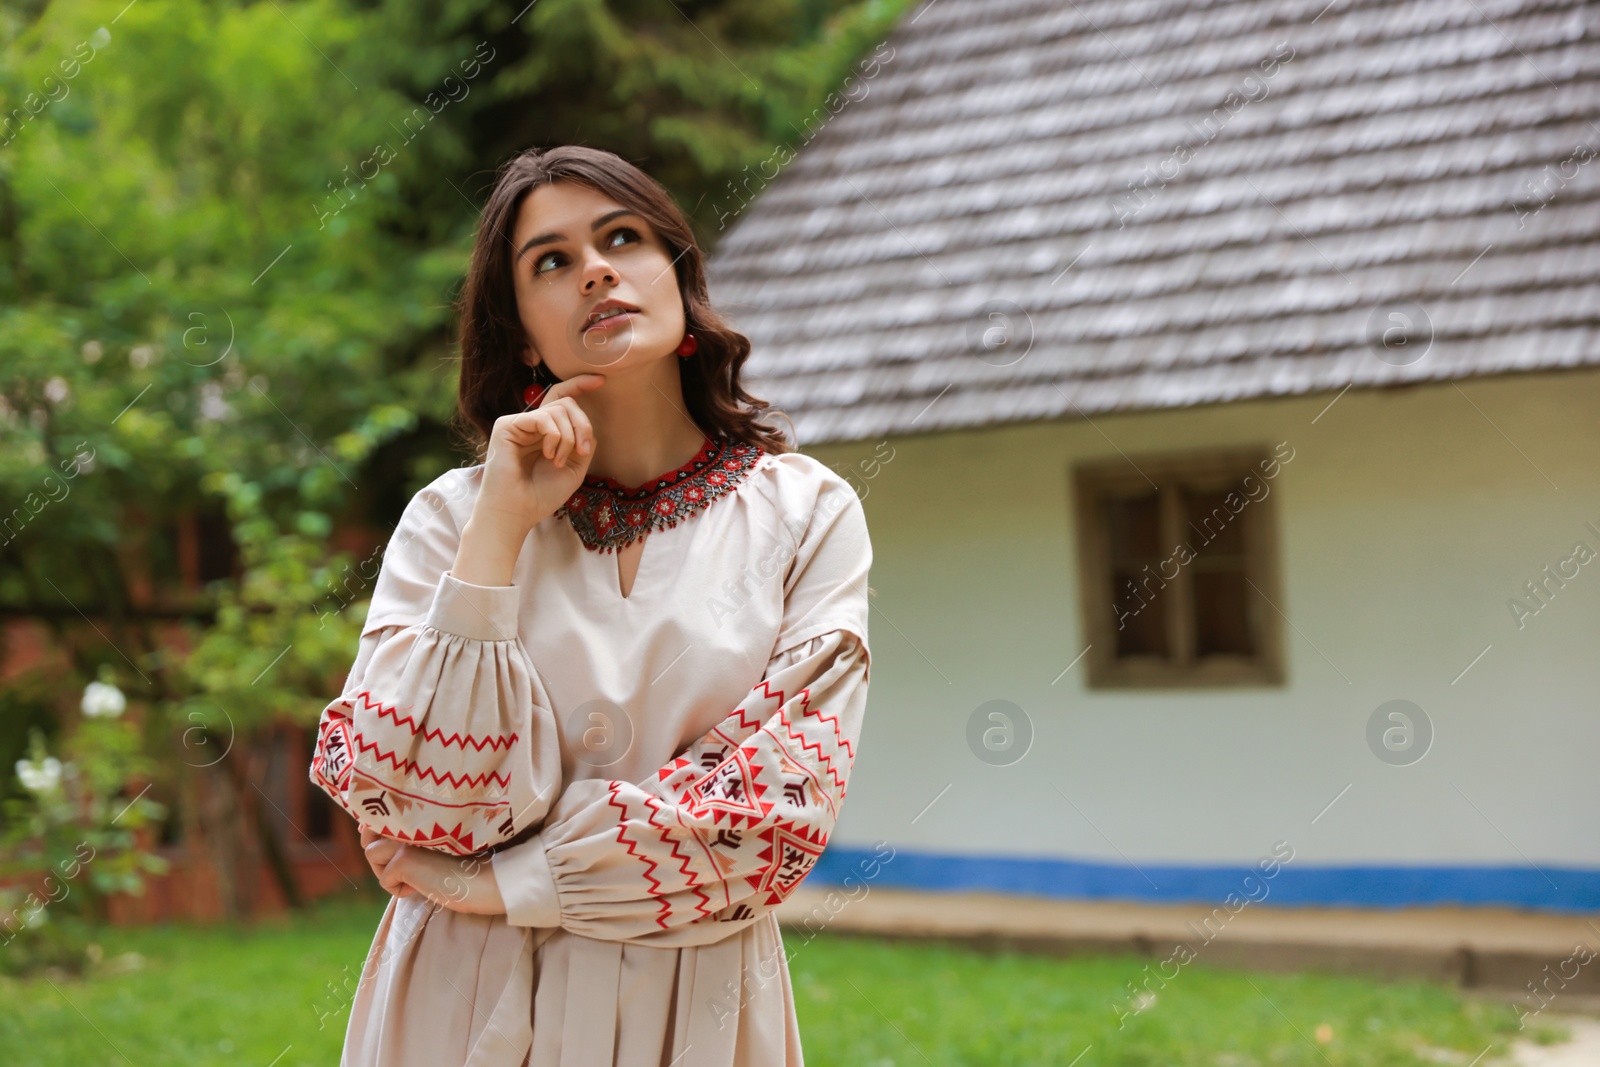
607, 515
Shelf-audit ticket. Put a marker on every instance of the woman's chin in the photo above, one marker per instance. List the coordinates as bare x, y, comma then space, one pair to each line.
606, 347
622, 348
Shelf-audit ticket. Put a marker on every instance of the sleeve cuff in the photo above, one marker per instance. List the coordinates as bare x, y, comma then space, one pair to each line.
526, 885
479, 612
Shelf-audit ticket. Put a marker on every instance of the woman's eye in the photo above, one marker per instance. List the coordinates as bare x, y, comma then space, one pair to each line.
552, 259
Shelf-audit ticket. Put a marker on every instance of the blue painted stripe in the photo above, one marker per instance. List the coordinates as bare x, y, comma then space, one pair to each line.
1557, 889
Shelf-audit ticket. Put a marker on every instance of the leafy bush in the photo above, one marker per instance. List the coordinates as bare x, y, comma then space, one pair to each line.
73, 839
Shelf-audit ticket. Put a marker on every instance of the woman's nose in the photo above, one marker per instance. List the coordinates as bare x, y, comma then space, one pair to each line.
598, 272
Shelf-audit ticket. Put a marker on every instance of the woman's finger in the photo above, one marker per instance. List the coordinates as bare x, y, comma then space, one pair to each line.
568, 439
529, 430
380, 852
394, 872
374, 843
581, 427
573, 386
525, 428
552, 435
547, 430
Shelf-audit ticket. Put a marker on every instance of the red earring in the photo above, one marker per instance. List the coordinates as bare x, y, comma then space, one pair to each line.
688, 346
533, 394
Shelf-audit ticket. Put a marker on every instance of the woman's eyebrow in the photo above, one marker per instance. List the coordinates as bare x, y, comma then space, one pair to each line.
551, 238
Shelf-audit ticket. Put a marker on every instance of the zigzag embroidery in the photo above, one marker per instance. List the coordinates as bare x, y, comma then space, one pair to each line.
424, 773
745, 726
685, 860
662, 821
664, 825
804, 696
636, 850
821, 788
460, 740
431, 838
833, 720
730, 740
765, 685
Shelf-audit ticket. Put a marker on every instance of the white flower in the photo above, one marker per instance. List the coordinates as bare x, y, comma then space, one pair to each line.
39, 777
102, 701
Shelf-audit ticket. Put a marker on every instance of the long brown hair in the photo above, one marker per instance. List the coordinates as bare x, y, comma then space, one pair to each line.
493, 378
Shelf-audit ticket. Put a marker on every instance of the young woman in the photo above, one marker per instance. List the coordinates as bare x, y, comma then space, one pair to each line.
611, 682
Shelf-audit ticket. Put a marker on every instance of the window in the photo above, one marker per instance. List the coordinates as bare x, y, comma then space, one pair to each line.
1178, 569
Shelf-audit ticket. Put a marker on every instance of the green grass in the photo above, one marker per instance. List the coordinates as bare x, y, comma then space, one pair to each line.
225, 996
873, 1004
204, 995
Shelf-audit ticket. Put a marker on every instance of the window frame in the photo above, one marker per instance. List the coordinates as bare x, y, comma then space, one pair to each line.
1201, 470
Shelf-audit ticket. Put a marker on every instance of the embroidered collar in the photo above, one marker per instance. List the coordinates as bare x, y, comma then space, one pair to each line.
608, 515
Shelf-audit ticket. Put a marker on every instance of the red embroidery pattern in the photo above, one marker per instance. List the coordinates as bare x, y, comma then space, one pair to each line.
608, 515
736, 802
460, 810
493, 741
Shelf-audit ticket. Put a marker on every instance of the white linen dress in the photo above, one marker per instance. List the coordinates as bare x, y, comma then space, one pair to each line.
653, 773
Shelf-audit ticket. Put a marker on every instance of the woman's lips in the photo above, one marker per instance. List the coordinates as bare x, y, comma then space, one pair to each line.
612, 320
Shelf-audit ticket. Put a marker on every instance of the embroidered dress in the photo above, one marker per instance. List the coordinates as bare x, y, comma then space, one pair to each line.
649, 775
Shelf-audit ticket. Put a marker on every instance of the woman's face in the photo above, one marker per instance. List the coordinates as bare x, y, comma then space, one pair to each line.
579, 255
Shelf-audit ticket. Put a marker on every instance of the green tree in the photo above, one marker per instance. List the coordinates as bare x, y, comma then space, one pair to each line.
230, 236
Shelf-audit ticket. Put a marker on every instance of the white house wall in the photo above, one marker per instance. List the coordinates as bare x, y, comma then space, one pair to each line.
1407, 520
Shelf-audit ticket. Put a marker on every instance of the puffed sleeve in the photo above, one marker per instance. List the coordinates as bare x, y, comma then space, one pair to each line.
443, 737
723, 833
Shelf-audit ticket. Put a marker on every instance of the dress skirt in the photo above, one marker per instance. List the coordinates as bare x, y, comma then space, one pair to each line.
445, 989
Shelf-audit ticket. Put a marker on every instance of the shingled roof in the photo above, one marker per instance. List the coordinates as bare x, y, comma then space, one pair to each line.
1039, 210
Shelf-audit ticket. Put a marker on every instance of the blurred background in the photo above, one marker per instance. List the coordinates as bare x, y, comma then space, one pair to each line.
1219, 379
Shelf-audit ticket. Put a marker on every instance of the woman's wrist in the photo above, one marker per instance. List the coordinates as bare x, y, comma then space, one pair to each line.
468, 885
487, 554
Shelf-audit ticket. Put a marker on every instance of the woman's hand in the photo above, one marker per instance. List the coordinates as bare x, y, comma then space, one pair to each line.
379, 851
535, 461
464, 885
